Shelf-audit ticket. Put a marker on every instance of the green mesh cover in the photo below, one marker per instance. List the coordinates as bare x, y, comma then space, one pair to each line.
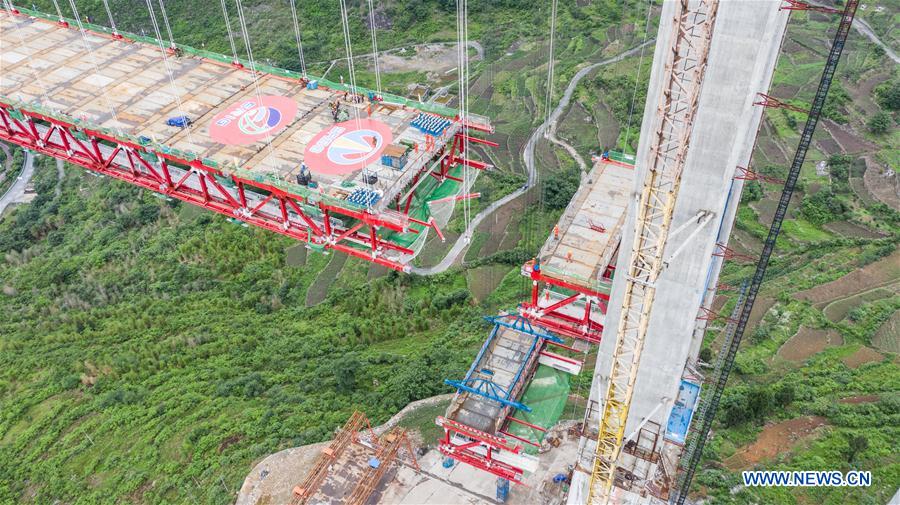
546, 395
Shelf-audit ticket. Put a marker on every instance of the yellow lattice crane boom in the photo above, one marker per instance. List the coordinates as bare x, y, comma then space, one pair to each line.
686, 58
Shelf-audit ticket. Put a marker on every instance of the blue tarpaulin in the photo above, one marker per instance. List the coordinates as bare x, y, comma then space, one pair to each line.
682, 412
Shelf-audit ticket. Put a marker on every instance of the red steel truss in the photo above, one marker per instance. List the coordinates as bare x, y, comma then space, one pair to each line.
723, 251
462, 449
796, 5
774, 103
749, 174
553, 318
193, 181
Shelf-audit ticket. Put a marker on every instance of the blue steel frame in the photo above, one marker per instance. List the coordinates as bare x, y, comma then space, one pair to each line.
487, 388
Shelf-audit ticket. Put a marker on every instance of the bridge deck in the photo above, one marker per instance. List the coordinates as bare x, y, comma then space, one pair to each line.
590, 228
44, 62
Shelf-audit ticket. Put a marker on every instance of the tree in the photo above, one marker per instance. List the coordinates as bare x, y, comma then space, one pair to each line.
822, 207
345, 373
752, 192
784, 396
560, 187
856, 445
888, 95
880, 123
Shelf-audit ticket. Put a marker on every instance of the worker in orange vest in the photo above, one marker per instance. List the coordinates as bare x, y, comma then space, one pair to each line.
556, 231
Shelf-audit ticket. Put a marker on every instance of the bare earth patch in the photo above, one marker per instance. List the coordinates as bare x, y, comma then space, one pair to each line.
759, 310
853, 400
886, 188
861, 357
880, 273
808, 342
849, 141
775, 439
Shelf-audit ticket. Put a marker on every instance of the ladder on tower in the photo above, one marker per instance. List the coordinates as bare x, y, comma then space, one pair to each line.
685, 66
691, 458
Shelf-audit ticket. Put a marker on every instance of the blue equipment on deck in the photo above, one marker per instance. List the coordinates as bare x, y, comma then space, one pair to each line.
502, 490
483, 385
431, 124
179, 121
364, 197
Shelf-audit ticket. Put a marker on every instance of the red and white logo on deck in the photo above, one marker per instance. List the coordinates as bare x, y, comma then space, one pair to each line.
251, 120
346, 147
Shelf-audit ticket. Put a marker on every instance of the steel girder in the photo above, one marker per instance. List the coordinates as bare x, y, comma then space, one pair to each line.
322, 225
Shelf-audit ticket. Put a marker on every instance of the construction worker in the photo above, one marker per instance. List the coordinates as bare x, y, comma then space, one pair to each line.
556, 231
569, 257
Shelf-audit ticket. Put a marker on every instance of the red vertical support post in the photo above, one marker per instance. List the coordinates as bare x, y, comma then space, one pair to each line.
166, 174
242, 195
97, 153
203, 187
284, 212
374, 239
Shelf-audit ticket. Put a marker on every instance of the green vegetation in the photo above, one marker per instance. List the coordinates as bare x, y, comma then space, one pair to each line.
848, 388
151, 352
880, 123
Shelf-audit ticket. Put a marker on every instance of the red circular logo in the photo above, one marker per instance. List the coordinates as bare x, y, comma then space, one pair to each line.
345, 147
251, 120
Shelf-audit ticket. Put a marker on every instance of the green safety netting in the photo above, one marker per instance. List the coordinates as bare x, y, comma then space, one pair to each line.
546, 395
433, 190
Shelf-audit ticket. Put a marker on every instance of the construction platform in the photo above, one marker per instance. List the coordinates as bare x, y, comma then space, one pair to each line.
586, 238
572, 275
516, 389
355, 155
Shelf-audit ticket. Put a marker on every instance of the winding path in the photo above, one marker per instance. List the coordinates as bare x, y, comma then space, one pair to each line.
528, 155
15, 192
866, 30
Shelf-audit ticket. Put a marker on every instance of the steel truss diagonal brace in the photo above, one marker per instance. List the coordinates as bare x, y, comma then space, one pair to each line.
685, 66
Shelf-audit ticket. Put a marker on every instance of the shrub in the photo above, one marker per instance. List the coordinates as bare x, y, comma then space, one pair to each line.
880, 123
888, 95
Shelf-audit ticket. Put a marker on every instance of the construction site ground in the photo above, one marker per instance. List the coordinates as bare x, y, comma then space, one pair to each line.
272, 479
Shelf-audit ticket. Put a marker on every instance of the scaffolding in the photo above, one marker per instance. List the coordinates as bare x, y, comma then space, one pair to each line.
319, 471
685, 66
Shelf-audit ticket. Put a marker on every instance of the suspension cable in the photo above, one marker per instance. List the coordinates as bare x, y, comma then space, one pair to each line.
234, 58
375, 47
58, 11
297, 36
88, 47
637, 76
112, 23
246, 36
162, 8
169, 72
462, 46
351, 71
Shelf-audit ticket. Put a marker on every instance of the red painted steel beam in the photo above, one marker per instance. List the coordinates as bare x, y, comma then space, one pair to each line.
772, 102
796, 5
74, 151
538, 275
520, 439
476, 140
492, 466
526, 423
